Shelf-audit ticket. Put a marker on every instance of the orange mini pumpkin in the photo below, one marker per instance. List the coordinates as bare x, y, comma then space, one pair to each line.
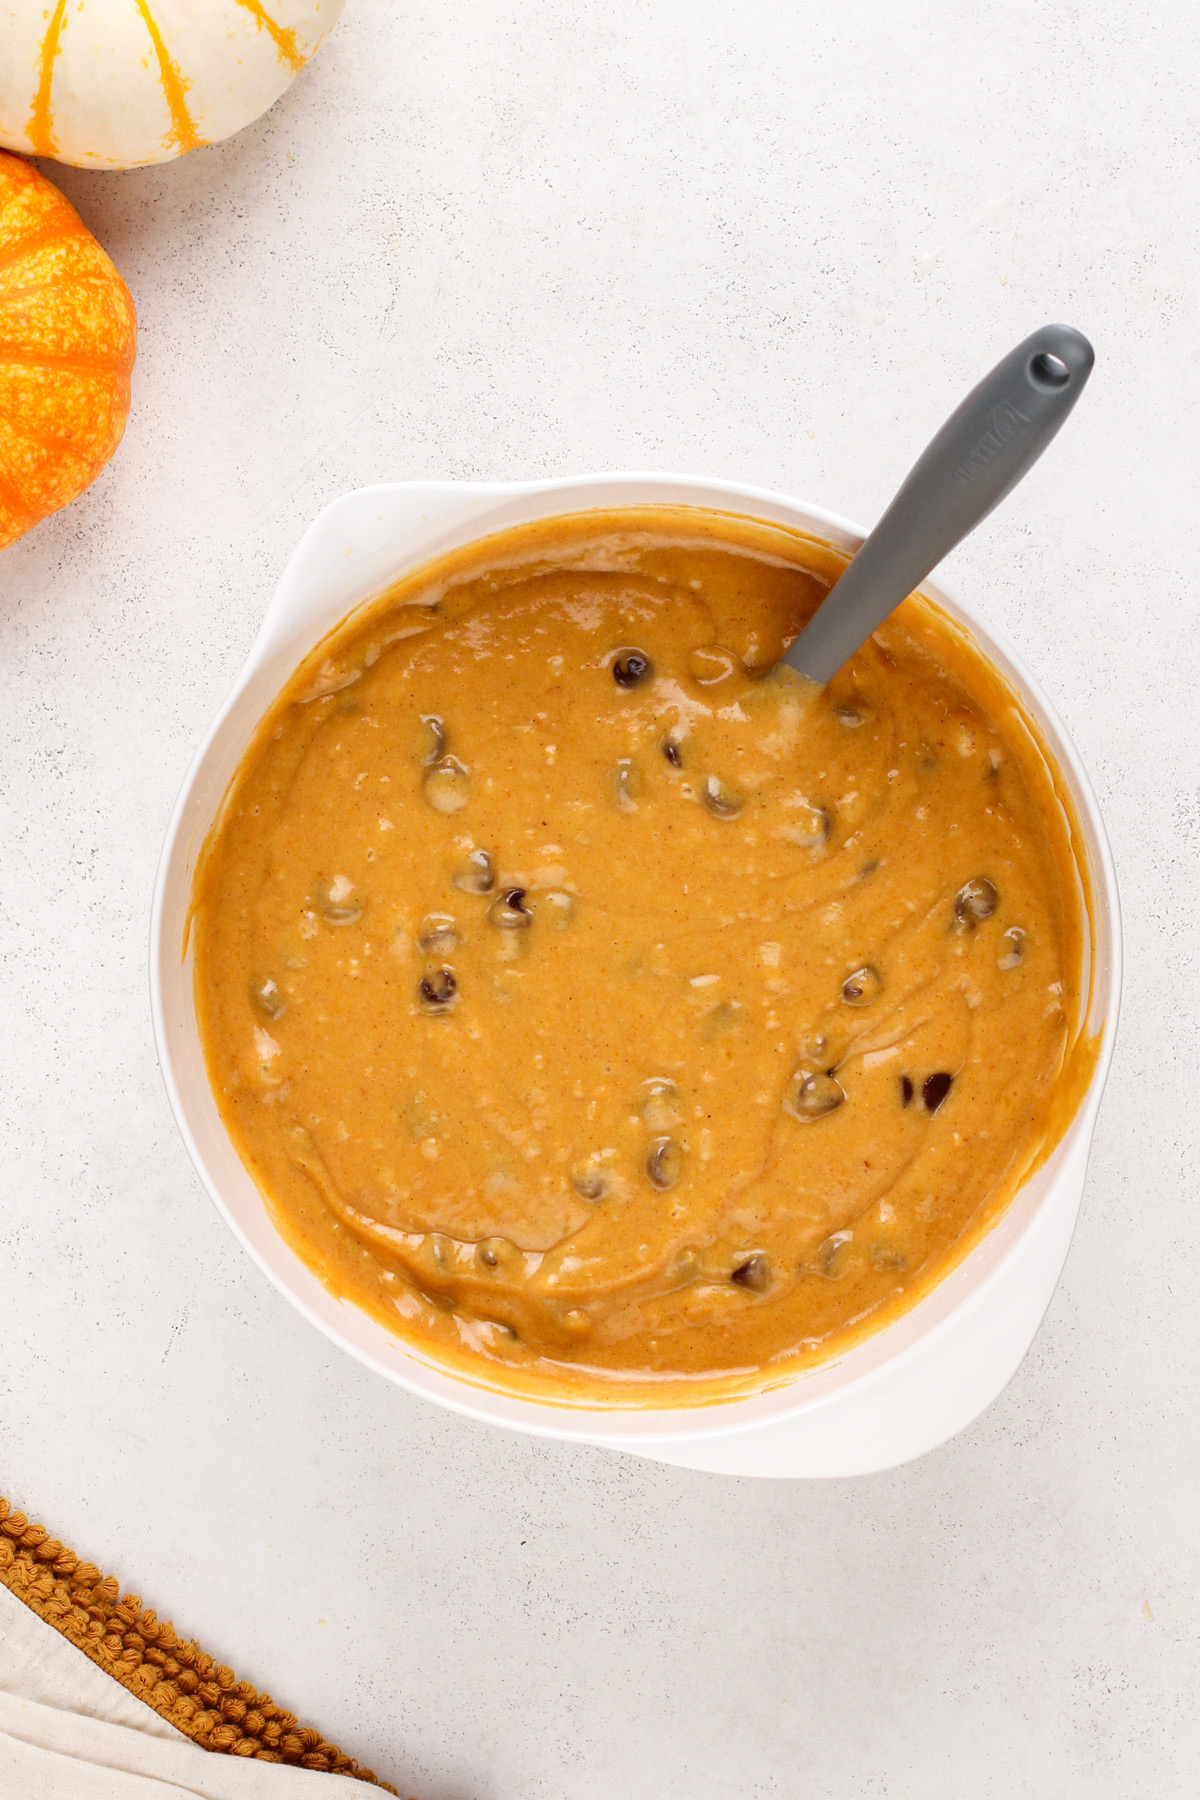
68, 337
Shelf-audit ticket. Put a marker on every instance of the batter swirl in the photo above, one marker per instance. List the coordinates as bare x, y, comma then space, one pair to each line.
596, 1011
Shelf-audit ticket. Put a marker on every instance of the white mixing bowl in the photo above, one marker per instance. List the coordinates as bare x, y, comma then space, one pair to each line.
903, 1390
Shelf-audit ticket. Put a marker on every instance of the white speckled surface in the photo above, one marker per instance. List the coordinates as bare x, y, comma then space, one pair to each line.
524, 236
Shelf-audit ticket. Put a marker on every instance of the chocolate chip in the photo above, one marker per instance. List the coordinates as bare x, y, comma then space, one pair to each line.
829, 1258
811, 1096
590, 1182
447, 786
935, 1089
475, 874
338, 902
496, 1253
975, 902
438, 935
1012, 953
664, 1163
862, 987
508, 911
626, 784
722, 801
632, 668
437, 739
438, 989
660, 1103
685, 1265
266, 998
754, 1273
811, 828
906, 1090
883, 1257
672, 752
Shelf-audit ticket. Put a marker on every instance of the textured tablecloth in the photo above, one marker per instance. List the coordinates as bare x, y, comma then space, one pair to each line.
69, 1732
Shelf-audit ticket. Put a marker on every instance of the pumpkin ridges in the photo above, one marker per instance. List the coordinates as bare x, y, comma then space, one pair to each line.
64, 242
123, 83
63, 310
83, 359
61, 365
64, 246
83, 299
35, 243
110, 387
63, 445
37, 211
51, 495
64, 278
39, 130
89, 428
36, 240
76, 362
285, 39
68, 339
76, 279
42, 219
183, 133
46, 343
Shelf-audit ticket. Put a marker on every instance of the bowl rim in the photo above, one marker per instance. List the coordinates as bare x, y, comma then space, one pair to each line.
636, 1425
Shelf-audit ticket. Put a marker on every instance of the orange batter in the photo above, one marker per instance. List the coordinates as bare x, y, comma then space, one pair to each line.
597, 1009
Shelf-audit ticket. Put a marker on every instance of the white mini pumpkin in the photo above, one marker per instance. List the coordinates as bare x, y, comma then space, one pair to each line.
109, 84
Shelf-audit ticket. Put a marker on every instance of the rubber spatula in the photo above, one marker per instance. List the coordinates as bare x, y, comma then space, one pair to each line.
979, 455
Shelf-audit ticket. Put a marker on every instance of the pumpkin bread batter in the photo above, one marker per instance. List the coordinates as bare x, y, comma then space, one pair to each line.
616, 1020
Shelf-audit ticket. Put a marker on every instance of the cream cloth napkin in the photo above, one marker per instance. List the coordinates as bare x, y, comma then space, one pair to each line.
68, 1731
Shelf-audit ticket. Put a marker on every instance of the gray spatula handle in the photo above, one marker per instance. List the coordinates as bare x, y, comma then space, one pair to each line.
978, 456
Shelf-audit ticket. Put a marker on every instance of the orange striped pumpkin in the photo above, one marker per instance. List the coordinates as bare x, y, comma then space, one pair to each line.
109, 84
68, 337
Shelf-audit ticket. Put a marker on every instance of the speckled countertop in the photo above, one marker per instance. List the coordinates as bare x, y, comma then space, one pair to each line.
506, 239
